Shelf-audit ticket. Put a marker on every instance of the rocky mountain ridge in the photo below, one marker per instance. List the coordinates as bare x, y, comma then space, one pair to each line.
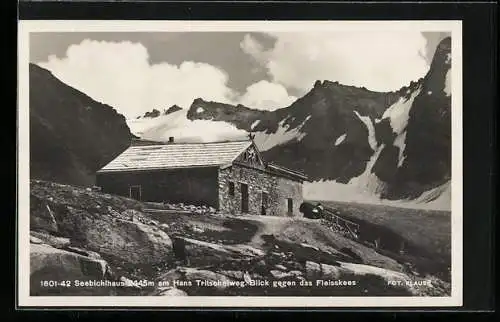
394, 145
155, 113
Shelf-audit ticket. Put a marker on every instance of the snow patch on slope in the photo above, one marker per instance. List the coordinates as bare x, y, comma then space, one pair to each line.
439, 195
340, 139
368, 182
447, 83
400, 142
254, 124
330, 190
371, 130
399, 112
367, 187
139, 126
266, 141
334, 191
184, 130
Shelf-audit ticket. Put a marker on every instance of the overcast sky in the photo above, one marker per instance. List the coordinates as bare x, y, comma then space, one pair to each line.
136, 72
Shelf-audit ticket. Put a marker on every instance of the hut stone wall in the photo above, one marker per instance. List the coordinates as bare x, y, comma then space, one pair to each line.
278, 189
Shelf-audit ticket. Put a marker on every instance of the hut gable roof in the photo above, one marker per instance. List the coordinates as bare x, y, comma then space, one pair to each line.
286, 171
177, 155
192, 155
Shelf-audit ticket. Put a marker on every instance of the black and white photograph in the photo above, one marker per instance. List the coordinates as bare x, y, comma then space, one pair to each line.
223, 163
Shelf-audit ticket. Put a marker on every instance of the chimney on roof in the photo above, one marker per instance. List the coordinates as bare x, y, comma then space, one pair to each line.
171, 139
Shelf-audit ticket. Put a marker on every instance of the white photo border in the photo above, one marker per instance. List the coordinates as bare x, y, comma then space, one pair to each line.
23, 194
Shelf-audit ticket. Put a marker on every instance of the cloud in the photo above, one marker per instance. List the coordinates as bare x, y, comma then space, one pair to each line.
184, 130
120, 74
251, 46
265, 95
382, 61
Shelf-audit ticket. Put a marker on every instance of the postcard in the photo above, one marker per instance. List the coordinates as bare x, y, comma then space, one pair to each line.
239, 164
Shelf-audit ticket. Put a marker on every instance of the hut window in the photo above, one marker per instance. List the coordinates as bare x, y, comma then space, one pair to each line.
231, 189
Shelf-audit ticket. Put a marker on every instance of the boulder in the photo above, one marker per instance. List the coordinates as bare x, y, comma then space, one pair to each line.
313, 270
134, 242
280, 267
203, 253
45, 238
296, 273
331, 272
307, 246
320, 270
83, 252
35, 240
279, 274
360, 270
56, 265
304, 252
239, 275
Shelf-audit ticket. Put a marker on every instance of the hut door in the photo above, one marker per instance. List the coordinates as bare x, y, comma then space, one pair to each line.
135, 192
264, 204
290, 206
244, 198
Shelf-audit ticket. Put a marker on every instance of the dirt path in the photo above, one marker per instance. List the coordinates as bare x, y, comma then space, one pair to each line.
247, 230
267, 226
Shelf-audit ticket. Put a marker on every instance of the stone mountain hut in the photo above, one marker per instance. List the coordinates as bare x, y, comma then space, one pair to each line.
230, 176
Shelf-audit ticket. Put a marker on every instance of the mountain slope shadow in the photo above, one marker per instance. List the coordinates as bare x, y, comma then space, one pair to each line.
71, 135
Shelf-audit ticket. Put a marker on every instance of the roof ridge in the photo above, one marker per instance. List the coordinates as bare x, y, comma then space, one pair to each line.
191, 143
173, 155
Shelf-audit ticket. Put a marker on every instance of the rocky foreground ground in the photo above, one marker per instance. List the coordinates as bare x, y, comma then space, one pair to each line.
84, 242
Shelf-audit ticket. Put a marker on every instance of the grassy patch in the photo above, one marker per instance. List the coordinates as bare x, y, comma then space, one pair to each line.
427, 233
